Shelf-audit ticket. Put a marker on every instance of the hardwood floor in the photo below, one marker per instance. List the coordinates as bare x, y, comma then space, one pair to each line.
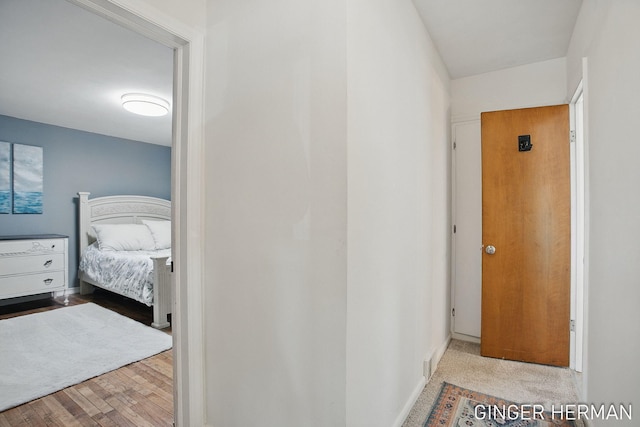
136, 395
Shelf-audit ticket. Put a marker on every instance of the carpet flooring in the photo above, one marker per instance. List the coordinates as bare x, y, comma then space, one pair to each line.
46, 352
514, 381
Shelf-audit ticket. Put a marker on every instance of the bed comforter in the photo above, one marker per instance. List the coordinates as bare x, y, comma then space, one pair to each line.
128, 273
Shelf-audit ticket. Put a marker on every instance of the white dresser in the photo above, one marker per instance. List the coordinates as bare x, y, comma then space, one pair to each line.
32, 265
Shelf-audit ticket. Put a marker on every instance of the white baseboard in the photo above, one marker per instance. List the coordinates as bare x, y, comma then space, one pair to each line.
463, 337
431, 362
430, 365
412, 401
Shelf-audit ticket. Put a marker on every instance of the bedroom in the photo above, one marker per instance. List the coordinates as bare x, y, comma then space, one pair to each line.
84, 151
62, 93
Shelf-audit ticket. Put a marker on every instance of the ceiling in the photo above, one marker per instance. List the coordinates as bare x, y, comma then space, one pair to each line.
65, 66
478, 36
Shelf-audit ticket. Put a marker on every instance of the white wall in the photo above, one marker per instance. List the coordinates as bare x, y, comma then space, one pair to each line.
276, 200
298, 331
398, 222
588, 26
610, 43
532, 85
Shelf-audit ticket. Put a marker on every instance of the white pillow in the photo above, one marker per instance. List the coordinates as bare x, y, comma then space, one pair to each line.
161, 232
124, 237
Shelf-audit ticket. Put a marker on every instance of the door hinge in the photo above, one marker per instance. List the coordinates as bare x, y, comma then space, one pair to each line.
172, 266
572, 325
453, 312
454, 145
454, 229
573, 136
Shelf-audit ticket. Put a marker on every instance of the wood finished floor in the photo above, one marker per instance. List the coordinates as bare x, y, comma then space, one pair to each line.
136, 395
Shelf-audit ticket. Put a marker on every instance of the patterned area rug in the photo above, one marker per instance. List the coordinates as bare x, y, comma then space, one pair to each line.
459, 407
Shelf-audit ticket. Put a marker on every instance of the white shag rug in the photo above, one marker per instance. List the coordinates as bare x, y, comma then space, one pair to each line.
45, 352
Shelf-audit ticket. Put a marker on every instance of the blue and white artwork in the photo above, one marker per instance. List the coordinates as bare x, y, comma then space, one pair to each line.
27, 179
5, 178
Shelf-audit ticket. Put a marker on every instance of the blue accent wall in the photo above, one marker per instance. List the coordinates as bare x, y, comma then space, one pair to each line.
82, 161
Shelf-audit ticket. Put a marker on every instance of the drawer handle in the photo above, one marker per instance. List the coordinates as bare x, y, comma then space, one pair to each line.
47, 281
48, 263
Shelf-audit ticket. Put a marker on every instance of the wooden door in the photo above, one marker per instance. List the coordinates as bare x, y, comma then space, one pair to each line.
526, 217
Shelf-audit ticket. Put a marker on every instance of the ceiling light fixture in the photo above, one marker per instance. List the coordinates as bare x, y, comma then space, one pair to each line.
145, 105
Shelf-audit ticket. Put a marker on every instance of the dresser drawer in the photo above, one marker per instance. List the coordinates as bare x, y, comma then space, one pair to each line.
31, 264
13, 286
18, 247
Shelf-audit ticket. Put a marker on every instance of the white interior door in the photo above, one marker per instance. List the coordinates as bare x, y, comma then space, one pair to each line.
467, 238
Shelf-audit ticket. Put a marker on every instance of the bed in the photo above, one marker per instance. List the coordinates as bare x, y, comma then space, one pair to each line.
117, 255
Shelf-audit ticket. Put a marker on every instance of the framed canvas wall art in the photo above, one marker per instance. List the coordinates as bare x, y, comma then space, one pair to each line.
27, 179
5, 178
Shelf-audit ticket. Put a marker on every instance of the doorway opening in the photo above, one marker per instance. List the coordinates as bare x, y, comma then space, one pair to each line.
186, 188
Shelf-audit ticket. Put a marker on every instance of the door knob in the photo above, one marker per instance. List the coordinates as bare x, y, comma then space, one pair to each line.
490, 250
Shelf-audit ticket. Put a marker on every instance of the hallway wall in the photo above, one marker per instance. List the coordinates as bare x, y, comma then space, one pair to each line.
327, 201
607, 34
276, 213
398, 209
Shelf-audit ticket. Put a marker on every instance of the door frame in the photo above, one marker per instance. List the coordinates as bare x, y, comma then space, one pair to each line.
186, 191
579, 221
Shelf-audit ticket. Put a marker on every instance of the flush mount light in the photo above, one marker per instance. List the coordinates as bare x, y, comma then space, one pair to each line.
145, 105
